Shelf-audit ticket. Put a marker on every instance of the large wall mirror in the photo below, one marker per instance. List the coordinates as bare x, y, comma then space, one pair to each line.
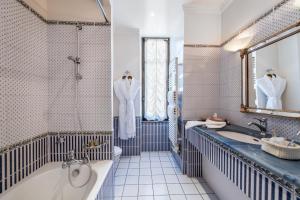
271, 75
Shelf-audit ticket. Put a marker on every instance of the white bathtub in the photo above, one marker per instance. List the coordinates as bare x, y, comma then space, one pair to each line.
51, 183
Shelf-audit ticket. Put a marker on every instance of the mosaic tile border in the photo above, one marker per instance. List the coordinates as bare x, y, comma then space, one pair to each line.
253, 180
20, 160
150, 136
262, 17
56, 22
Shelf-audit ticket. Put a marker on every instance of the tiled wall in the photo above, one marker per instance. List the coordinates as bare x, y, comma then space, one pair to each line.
23, 74
94, 90
219, 90
150, 136
201, 82
37, 92
230, 72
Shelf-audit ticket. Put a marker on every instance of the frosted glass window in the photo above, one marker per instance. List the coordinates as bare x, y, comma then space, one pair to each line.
156, 60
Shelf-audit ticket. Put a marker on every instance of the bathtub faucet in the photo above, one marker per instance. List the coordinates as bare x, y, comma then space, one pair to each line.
70, 160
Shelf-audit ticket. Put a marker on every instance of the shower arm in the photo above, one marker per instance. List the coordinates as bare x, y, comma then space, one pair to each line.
102, 10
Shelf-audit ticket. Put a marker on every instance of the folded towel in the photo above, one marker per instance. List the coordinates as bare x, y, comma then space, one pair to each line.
207, 123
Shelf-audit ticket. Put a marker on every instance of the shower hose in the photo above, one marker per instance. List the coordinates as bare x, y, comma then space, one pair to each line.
90, 173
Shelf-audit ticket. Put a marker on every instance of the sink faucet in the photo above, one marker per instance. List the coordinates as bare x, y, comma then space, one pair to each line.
70, 160
292, 142
262, 125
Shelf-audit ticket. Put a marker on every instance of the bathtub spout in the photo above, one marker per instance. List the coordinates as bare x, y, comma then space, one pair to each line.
70, 160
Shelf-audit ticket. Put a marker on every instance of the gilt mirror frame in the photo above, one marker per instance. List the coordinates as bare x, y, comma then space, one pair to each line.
244, 53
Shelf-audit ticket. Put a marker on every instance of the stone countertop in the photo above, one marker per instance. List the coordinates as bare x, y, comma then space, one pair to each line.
286, 169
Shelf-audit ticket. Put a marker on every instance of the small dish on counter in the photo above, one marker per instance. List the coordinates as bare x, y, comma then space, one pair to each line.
281, 148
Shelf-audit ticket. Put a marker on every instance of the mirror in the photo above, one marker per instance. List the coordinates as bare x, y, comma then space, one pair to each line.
271, 75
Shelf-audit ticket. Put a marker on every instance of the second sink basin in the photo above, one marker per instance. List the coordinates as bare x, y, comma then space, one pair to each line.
240, 137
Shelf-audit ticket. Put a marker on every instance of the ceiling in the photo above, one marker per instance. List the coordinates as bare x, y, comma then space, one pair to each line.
215, 6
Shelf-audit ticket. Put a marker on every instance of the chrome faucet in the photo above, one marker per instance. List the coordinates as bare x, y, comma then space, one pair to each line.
70, 160
262, 125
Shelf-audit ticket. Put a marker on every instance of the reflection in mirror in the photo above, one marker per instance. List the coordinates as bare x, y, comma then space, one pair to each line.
274, 76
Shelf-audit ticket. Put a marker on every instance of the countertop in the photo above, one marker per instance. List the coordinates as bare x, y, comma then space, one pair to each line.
286, 169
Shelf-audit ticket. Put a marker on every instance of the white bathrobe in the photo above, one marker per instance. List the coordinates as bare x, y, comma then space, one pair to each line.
269, 92
126, 91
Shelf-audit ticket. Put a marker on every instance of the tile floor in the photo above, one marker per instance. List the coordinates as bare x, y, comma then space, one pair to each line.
156, 176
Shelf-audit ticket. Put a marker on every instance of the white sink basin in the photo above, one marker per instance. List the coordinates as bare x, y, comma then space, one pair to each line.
240, 137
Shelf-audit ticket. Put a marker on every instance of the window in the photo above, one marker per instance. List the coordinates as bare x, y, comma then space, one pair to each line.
155, 78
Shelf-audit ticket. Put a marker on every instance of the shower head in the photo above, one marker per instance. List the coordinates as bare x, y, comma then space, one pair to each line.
71, 58
75, 60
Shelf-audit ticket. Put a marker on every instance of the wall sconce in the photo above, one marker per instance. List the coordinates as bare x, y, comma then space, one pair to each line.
240, 42
297, 3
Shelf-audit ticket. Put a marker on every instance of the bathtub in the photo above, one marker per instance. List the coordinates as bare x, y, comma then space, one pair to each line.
51, 183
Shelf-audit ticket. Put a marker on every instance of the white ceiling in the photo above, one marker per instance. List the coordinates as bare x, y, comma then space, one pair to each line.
215, 6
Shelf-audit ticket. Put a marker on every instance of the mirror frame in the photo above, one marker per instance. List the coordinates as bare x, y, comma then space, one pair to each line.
244, 53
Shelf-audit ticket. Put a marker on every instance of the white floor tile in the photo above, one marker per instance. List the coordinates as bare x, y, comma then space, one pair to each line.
193, 197
155, 165
145, 172
134, 165
145, 165
166, 164
130, 190
189, 189
145, 180
129, 198
162, 197
177, 197
117, 198
210, 197
146, 198
160, 189
145, 154
184, 179
135, 159
145, 190
175, 189
171, 179
169, 171
120, 180
164, 159
154, 159
124, 159
157, 171
133, 172
132, 180
158, 179
203, 188
123, 165
121, 172
119, 190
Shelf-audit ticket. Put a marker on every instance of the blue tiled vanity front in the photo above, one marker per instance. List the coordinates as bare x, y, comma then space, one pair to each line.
257, 174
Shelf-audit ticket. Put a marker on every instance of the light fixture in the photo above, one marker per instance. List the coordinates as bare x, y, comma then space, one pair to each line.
152, 14
297, 3
240, 42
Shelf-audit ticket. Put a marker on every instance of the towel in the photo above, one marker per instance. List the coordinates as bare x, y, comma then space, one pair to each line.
207, 123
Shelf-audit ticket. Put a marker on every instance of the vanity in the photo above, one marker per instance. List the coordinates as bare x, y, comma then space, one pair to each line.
255, 173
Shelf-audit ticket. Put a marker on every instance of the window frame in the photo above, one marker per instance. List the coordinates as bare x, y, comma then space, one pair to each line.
144, 75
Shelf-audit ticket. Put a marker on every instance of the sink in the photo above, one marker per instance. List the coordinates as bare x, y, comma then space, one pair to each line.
240, 137
281, 150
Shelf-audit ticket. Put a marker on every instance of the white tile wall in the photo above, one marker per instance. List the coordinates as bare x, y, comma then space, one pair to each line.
23, 74
36, 79
201, 82
94, 102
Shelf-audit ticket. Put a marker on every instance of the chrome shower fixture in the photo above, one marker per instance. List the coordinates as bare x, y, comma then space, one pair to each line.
76, 60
